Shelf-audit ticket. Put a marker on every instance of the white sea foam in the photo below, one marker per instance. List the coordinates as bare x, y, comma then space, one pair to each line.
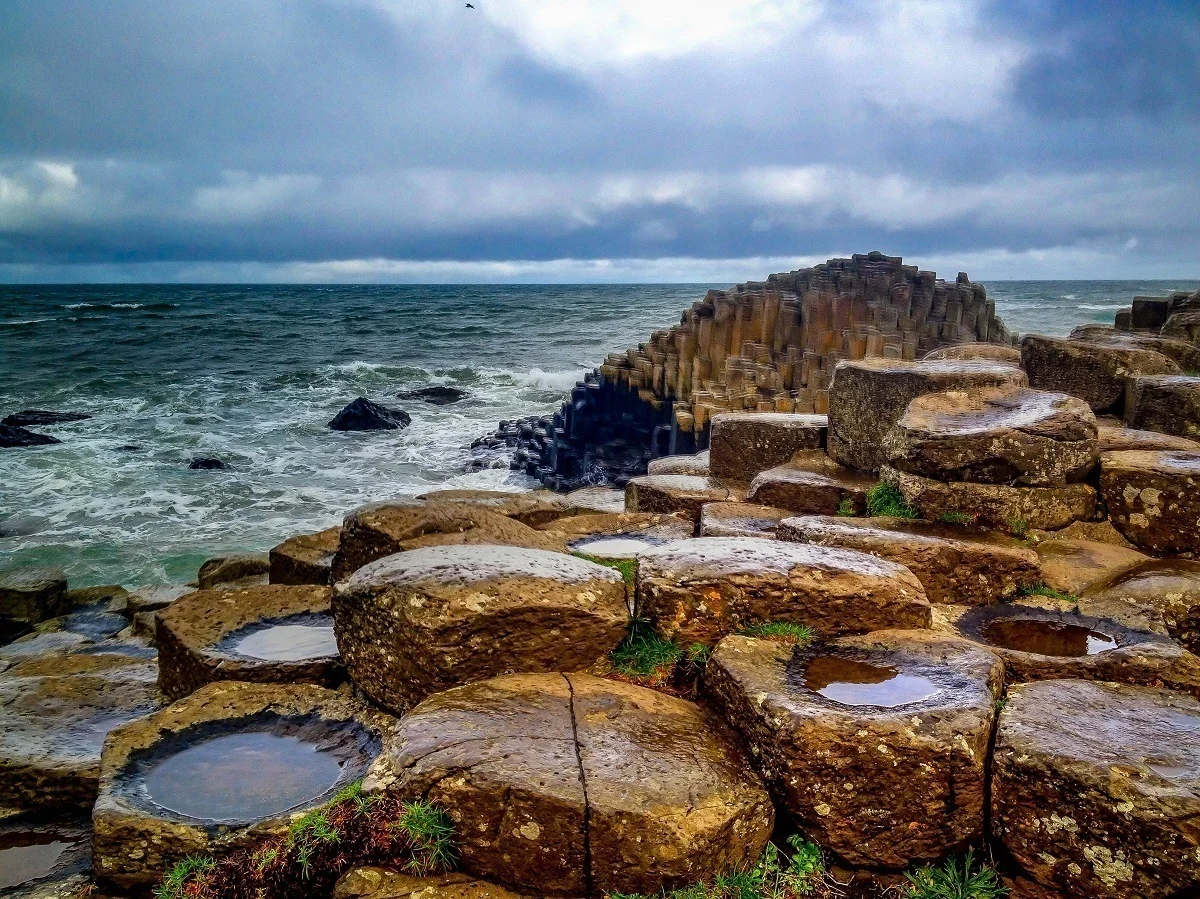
1101, 307
26, 321
552, 380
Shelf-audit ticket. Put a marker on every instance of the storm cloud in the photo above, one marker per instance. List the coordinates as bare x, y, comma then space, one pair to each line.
417, 140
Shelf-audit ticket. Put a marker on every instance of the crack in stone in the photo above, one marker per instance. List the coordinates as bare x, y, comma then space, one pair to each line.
587, 808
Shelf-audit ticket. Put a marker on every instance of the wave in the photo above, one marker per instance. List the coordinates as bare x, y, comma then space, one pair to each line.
1101, 307
120, 306
562, 380
27, 321
1070, 296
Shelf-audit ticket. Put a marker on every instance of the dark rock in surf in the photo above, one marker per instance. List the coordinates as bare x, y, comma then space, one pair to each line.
436, 396
364, 415
36, 417
13, 436
208, 464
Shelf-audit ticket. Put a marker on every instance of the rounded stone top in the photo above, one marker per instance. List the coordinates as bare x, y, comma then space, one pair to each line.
990, 352
776, 419
913, 531
1174, 381
956, 413
721, 556
461, 565
1171, 462
948, 367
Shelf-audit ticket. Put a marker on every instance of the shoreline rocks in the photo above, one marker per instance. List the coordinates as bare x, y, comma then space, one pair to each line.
364, 415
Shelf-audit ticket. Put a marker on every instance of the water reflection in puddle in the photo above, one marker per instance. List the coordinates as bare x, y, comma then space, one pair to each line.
242, 776
26, 857
851, 682
288, 643
1048, 638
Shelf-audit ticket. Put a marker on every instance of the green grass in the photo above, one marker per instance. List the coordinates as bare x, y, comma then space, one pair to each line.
956, 518
645, 653
627, 567
180, 874
886, 501
781, 631
1019, 528
952, 880
846, 509
1043, 590
430, 831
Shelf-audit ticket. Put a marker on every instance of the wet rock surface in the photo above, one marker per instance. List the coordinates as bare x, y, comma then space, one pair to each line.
877, 745
267, 634
740, 520
1096, 788
620, 535
681, 493
1169, 404
869, 396
1153, 498
953, 564
426, 620
32, 594
242, 569
701, 590
1070, 566
39, 860
221, 770
996, 505
697, 464
742, 444
1093, 371
1014, 436
436, 396
811, 484
1114, 438
364, 415
572, 784
380, 883
1157, 595
975, 352
13, 437
305, 558
34, 418
208, 463
54, 714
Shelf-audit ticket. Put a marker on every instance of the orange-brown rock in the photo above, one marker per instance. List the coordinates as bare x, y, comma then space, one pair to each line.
740, 520
742, 444
1169, 404
1094, 372
240, 569
1161, 595
977, 352
382, 883
1070, 566
811, 484
697, 464
1153, 498
306, 558
1114, 438
679, 493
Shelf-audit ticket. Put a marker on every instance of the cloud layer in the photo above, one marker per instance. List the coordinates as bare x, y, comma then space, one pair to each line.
622, 140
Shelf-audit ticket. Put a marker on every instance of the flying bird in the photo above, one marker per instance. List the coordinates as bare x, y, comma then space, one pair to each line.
470, 6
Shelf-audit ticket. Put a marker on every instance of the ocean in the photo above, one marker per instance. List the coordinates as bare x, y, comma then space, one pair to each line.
252, 375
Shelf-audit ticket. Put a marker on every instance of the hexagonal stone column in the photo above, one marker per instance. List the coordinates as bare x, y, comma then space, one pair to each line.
1096, 788
32, 594
681, 493
740, 520
868, 396
697, 464
305, 558
429, 619
1094, 372
1169, 404
1153, 498
1160, 595
1113, 438
877, 745
700, 590
741, 444
811, 484
573, 785
270, 634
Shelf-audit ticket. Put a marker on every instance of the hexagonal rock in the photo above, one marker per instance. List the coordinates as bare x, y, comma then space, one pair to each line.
1181, 352
244, 569
597, 499
953, 564
740, 520
877, 745
1169, 404
426, 620
32, 594
1094, 372
741, 444
695, 465
811, 484
271, 634
1183, 326
985, 352
1161, 595
572, 784
534, 508
1046, 644
1113, 439
54, 715
681, 493
700, 590
380, 883
1070, 566
375, 531
1096, 788
305, 558
996, 505
998, 435
221, 770
868, 396
1153, 498
651, 527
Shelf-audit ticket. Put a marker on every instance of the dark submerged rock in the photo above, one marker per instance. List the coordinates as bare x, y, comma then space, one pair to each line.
435, 396
208, 464
364, 415
13, 437
35, 417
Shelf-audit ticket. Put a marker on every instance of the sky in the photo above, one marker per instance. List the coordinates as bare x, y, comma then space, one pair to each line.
595, 140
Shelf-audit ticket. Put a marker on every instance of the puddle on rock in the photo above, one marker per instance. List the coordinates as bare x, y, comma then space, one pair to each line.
1048, 638
28, 856
242, 776
288, 643
850, 682
615, 547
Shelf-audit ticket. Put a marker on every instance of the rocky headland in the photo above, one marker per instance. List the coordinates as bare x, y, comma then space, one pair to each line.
842, 590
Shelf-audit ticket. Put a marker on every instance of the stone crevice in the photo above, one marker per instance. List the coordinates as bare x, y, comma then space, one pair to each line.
587, 808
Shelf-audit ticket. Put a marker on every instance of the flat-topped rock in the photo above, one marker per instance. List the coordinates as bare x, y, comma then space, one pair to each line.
242, 569
54, 715
876, 745
1070, 566
1183, 325
975, 352
868, 396
1095, 372
1153, 498
1182, 352
533, 508
305, 558
998, 435
742, 444
226, 768
154, 597
573, 784
597, 499
740, 520
1096, 788
381, 883
1169, 404
1048, 644
679, 493
32, 594
700, 590
422, 621
953, 564
269, 634
811, 484
381, 529
697, 464
1161, 595
996, 505
1115, 438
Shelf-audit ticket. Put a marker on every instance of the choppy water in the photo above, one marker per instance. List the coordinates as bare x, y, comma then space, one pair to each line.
253, 374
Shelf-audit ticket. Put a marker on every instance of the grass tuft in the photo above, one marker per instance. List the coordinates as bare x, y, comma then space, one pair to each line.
886, 501
780, 631
646, 655
1043, 590
956, 518
430, 831
950, 880
627, 567
1019, 528
180, 875
846, 509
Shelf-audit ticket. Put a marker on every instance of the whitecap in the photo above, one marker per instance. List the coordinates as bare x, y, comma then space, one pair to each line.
1070, 296
552, 380
1100, 307
27, 321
